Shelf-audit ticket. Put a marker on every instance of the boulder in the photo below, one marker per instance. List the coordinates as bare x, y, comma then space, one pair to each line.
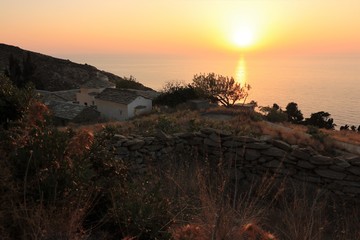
321, 160
274, 152
327, 173
282, 145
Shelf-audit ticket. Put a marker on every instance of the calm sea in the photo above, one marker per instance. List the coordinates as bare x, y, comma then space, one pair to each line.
322, 83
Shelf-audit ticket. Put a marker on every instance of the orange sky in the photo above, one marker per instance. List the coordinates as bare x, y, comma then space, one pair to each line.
181, 26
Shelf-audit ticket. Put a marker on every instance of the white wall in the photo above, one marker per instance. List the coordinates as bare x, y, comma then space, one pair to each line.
111, 110
139, 101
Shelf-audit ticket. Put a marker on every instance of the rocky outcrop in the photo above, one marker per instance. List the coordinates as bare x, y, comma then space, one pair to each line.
247, 155
56, 74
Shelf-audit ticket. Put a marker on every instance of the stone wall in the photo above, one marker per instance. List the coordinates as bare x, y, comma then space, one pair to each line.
250, 156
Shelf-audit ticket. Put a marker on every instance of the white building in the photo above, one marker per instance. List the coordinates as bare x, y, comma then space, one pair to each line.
121, 104
90, 89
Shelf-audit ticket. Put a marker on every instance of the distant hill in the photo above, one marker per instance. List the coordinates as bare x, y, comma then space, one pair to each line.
57, 74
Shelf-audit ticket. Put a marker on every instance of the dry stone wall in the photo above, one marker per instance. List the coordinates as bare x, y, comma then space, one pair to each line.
249, 156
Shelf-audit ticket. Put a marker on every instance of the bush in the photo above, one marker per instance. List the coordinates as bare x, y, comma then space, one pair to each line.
274, 113
174, 94
321, 120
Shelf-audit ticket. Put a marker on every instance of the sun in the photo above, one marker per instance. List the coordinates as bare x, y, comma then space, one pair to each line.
243, 38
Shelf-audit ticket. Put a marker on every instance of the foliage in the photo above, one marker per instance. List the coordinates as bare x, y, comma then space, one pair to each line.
316, 133
321, 120
274, 113
129, 83
13, 101
175, 93
221, 89
294, 114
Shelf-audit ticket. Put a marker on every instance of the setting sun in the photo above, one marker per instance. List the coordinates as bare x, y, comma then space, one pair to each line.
243, 38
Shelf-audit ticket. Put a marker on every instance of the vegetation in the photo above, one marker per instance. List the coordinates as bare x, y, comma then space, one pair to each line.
175, 93
294, 114
13, 101
68, 183
274, 113
221, 89
321, 119
129, 82
215, 88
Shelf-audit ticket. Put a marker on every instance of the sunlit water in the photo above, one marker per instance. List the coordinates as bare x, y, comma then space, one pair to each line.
330, 84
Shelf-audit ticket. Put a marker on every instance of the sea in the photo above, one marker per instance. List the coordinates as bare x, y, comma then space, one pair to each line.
329, 83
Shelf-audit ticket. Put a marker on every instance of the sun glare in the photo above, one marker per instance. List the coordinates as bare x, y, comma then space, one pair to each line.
243, 38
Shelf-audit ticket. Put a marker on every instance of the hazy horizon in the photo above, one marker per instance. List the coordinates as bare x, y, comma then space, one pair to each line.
201, 28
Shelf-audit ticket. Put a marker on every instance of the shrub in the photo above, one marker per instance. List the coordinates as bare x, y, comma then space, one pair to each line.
175, 93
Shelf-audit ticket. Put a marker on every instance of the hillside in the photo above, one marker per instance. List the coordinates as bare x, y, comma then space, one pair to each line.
59, 74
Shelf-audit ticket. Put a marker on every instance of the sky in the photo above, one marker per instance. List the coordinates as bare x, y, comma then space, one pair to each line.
181, 26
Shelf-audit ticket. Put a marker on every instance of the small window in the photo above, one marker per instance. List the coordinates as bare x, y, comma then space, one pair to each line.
85, 103
93, 103
120, 111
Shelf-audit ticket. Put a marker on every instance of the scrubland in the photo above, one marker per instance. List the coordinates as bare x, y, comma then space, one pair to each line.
64, 183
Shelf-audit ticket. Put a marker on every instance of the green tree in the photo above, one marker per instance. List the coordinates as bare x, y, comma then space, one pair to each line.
220, 89
321, 120
294, 114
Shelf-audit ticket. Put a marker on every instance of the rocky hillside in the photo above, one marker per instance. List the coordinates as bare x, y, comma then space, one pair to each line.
59, 74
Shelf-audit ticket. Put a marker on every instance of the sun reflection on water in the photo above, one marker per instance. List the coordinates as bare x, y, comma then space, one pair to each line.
240, 73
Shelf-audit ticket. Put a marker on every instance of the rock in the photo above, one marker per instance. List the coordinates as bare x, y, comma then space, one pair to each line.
282, 145
352, 178
330, 174
244, 139
224, 133
284, 171
321, 160
336, 168
119, 136
163, 136
207, 131
353, 160
211, 143
215, 137
274, 152
262, 160
354, 170
351, 190
179, 147
196, 141
307, 177
291, 160
349, 183
123, 151
149, 140
260, 145
300, 153
154, 148
305, 164
341, 162
265, 138
273, 164
251, 155
185, 135
232, 143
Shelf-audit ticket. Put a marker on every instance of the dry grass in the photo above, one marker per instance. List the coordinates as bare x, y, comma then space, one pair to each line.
344, 136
